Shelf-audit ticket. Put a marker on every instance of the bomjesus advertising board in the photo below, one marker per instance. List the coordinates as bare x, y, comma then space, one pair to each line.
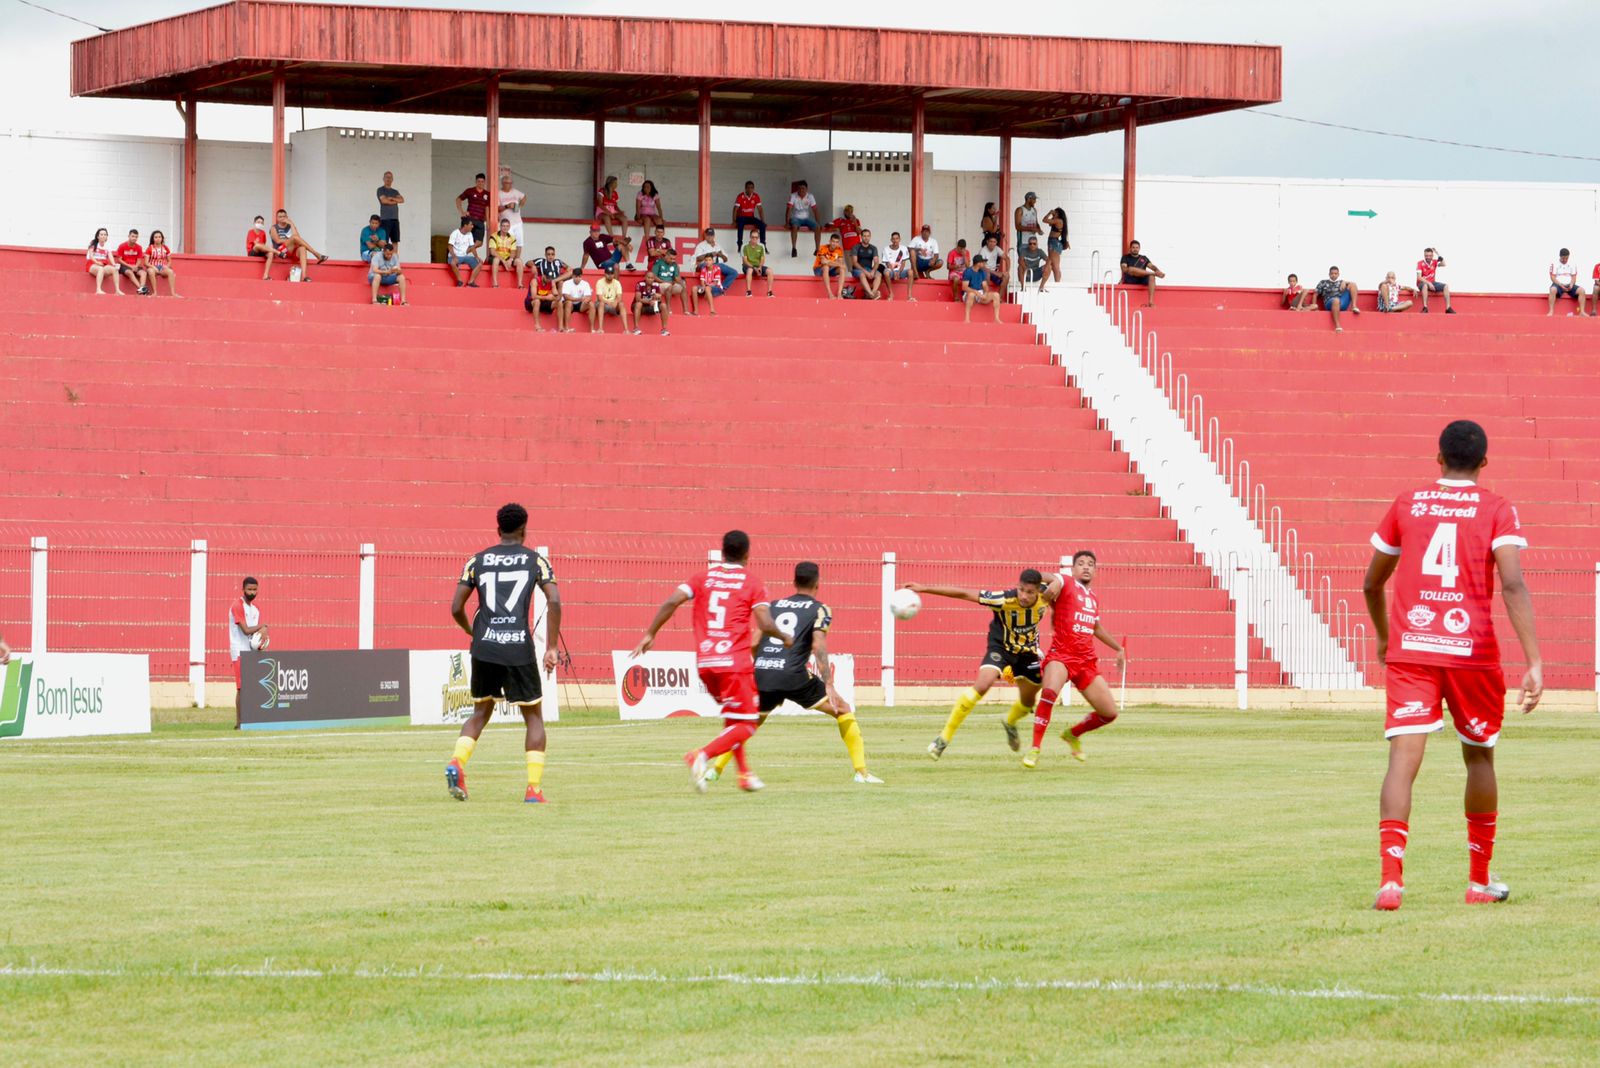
662, 685
68, 695
441, 689
333, 688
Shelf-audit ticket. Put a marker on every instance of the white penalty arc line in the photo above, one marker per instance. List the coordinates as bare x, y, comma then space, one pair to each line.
876, 980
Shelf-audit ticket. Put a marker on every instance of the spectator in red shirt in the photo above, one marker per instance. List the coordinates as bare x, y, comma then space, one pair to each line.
960, 259
655, 246
606, 209
1297, 297
159, 257
474, 204
708, 282
102, 263
1428, 280
255, 242
747, 211
130, 262
647, 210
1596, 301
849, 228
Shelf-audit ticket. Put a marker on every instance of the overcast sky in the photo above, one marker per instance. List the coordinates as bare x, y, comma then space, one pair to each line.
1513, 74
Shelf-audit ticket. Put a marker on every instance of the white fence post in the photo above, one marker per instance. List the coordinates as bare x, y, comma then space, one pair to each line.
887, 626
197, 621
39, 589
1241, 636
368, 595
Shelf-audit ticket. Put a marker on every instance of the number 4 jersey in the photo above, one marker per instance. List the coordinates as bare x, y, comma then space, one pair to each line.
1443, 591
504, 576
724, 597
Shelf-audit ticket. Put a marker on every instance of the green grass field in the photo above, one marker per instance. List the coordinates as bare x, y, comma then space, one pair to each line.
1197, 893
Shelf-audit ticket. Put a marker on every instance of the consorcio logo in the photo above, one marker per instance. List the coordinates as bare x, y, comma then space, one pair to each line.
14, 698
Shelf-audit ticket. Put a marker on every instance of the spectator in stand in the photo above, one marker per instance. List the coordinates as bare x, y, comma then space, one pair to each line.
1337, 295
389, 201
848, 228
925, 253
512, 201
670, 275
384, 270
801, 213
101, 262
897, 267
473, 204
996, 262
505, 254
288, 244
544, 290
1297, 297
654, 245
1391, 295
608, 301
975, 290
1564, 282
1033, 262
464, 253
159, 258
708, 283
1026, 219
829, 265
130, 263
1428, 280
607, 208
1055, 221
708, 249
373, 238
754, 257
648, 299
866, 267
255, 242
1137, 270
576, 295
602, 249
1595, 299
647, 210
990, 224
960, 260
747, 211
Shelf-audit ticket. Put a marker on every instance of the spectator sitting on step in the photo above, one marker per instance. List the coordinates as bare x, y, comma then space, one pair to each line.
897, 267
997, 263
1137, 270
975, 289
829, 265
389, 201
505, 253
654, 245
1564, 282
708, 249
1026, 219
384, 270
1032, 261
130, 263
1337, 295
512, 201
373, 237
801, 213
707, 284
747, 211
287, 244
1428, 280
159, 258
866, 268
473, 204
607, 207
989, 226
101, 262
648, 298
464, 253
848, 227
255, 242
754, 264
925, 253
647, 210
608, 301
544, 290
670, 275
576, 295
1595, 298
1391, 294
1055, 221
1297, 297
960, 260
603, 250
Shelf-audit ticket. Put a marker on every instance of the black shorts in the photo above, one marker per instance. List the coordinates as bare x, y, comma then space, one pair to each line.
1022, 665
392, 228
808, 696
518, 683
126, 271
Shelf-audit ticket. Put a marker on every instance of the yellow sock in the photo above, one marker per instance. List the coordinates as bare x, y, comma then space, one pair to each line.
535, 767
850, 731
721, 763
464, 748
1018, 713
963, 707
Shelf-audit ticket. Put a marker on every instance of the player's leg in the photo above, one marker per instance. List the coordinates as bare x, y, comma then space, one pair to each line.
1053, 679
455, 772
1022, 707
1477, 706
533, 744
1102, 710
817, 697
988, 675
720, 764
238, 695
741, 710
1414, 698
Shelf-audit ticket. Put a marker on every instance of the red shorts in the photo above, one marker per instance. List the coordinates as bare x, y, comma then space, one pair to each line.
1417, 694
1081, 673
735, 691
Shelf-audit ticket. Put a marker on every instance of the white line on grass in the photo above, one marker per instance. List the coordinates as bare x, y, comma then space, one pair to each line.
875, 980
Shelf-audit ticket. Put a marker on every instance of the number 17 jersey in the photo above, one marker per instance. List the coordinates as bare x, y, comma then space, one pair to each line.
1441, 601
504, 576
724, 597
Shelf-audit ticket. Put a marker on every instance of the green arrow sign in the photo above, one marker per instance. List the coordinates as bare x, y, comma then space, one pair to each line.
1369, 213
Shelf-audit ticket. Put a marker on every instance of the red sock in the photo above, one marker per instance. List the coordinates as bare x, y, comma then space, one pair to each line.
1480, 845
1041, 715
1392, 835
1092, 722
732, 737
741, 759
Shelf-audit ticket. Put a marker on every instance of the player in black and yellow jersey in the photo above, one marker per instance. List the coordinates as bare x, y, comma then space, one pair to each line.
1013, 650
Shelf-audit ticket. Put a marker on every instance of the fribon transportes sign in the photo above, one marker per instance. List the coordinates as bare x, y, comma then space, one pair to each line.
664, 685
334, 688
68, 695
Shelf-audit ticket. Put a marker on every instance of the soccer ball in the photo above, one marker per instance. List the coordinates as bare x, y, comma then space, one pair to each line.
903, 604
259, 639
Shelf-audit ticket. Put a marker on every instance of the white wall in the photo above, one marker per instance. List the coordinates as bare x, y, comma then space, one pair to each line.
333, 187
57, 190
235, 184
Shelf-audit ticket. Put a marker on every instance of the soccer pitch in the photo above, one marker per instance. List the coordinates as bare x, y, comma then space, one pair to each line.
1198, 892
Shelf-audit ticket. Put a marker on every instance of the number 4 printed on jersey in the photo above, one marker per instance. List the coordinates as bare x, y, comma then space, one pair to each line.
1440, 558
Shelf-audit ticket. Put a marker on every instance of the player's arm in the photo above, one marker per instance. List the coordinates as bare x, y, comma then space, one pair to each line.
1111, 643
552, 625
238, 619
768, 627
1054, 583
955, 592
5, 652
458, 606
664, 613
1519, 606
1379, 572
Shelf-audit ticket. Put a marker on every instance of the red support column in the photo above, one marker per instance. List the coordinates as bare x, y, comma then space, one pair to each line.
492, 115
599, 156
1004, 205
1130, 138
191, 169
279, 92
704, 213
919, 120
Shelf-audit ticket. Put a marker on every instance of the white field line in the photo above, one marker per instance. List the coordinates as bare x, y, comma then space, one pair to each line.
876, 980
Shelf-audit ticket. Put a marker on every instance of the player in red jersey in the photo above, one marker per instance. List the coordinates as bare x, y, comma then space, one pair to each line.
1072, 658
726, 598
1442, 544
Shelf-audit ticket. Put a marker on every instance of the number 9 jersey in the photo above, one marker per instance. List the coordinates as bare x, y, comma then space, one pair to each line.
1443, 593
725, 597
504, 576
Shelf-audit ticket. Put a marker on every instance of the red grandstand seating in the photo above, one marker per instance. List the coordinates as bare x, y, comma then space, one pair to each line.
1334, 425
